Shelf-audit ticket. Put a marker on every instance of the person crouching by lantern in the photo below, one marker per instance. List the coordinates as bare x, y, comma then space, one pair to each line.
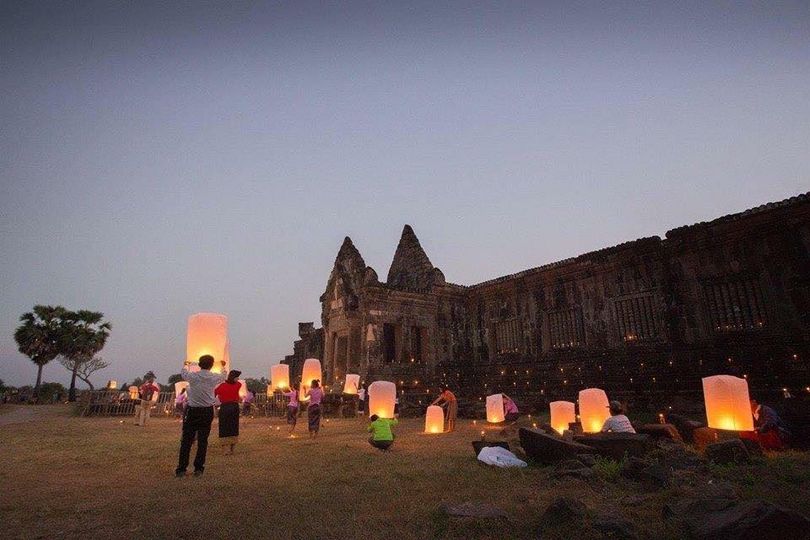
315, 395
199, 413
770, 430
382, 436
146, 391
510, 409
617, 422
292, 407
228, 395
448, 398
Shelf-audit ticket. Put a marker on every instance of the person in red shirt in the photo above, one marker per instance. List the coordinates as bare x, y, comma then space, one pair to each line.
147, 392
228, 395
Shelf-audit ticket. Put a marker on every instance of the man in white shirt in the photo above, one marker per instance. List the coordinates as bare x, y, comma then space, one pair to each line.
199, 412
617, 423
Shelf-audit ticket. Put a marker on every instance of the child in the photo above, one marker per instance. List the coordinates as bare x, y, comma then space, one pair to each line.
382, 436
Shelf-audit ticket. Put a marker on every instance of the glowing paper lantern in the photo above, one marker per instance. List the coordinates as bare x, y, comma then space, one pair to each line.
112, 385
727, 403
243, 389
178, 387
434, 419
279, 377
208, 334
382, 398
495, 408
309, 372
593, 409
352, 384
562, 414
133, 392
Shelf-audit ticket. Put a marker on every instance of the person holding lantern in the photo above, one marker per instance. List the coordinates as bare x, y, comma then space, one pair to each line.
770, 430
315, 395
448, 398
292, 407
228, 395
617, 422
199, 413
146, 391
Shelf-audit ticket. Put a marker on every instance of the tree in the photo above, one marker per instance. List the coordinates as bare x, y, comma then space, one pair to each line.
38, 337
174, 379
88, 368
257, 386
82, 335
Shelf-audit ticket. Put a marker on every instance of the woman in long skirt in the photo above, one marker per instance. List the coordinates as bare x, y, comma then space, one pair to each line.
292, 408
315, 395
228, 394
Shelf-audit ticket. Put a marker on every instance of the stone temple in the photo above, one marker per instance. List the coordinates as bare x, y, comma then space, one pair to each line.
643, 319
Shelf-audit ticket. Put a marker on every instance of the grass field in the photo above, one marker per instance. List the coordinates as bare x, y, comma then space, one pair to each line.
71, 477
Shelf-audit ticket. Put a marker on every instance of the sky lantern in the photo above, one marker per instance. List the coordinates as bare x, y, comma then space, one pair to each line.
495, 408
562, 414
310, 372
243, 389
279, 377
727, 403
593, 409
208, 334
382, 398
179, 386
133, 392
112, 384
352, 383
434, 419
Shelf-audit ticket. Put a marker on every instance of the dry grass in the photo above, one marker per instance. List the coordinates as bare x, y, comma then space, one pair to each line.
97, 478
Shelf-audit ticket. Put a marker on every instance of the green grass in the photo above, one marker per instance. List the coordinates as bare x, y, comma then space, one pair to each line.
71, 477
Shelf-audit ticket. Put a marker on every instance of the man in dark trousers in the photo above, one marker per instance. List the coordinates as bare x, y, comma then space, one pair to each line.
199, 412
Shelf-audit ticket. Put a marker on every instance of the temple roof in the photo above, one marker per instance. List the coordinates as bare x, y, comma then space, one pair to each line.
411, 267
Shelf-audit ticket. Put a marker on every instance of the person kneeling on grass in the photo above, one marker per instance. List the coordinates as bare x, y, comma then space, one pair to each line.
382, 436
617, 422
510, 409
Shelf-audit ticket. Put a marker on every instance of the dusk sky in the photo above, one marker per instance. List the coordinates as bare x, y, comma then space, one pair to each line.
159, 159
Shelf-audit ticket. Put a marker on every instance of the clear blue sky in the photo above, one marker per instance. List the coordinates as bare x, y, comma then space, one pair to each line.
163, 158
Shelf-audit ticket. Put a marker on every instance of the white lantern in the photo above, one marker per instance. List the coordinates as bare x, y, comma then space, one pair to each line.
593, 409
562, 414
155, 396
112, 385
311, 371
243, 389
495, 408
279, 377
382, 399
179, 386
133, 392
727, 403
208, 334
434, 419
352, 383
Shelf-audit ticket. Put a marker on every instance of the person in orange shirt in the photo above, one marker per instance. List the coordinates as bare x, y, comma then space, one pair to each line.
448, 398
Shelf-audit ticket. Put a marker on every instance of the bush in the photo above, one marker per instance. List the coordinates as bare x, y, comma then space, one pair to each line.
608, 469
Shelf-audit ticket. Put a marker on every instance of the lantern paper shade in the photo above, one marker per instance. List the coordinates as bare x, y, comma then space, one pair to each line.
352, 383
242, 388
112, 385
382, 398
727, 403
562, 414
208, 334
279, 377
434, 419
593, 409
133, 392
178, 387
495, 408
310, 372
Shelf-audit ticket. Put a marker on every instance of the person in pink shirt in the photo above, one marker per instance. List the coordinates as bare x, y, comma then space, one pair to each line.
292, 408
510, 409
315, 395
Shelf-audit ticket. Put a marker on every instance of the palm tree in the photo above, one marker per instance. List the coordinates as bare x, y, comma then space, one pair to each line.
38, 336
82, 335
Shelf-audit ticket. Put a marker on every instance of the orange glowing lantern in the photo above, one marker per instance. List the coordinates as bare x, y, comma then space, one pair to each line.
593, 409
279, 377
310, 372
112, 385
727, 403
179, 386
208, 334
243, 389
434, 419
495, 408
562, 414
382, 399
352, 383
133, 392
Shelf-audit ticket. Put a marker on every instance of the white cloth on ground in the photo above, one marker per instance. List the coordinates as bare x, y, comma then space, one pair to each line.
500, 457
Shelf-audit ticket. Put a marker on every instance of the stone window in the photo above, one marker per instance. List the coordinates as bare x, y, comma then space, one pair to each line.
507, 336
416, 344
735, 304
637, 317
565, 328
389, 342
